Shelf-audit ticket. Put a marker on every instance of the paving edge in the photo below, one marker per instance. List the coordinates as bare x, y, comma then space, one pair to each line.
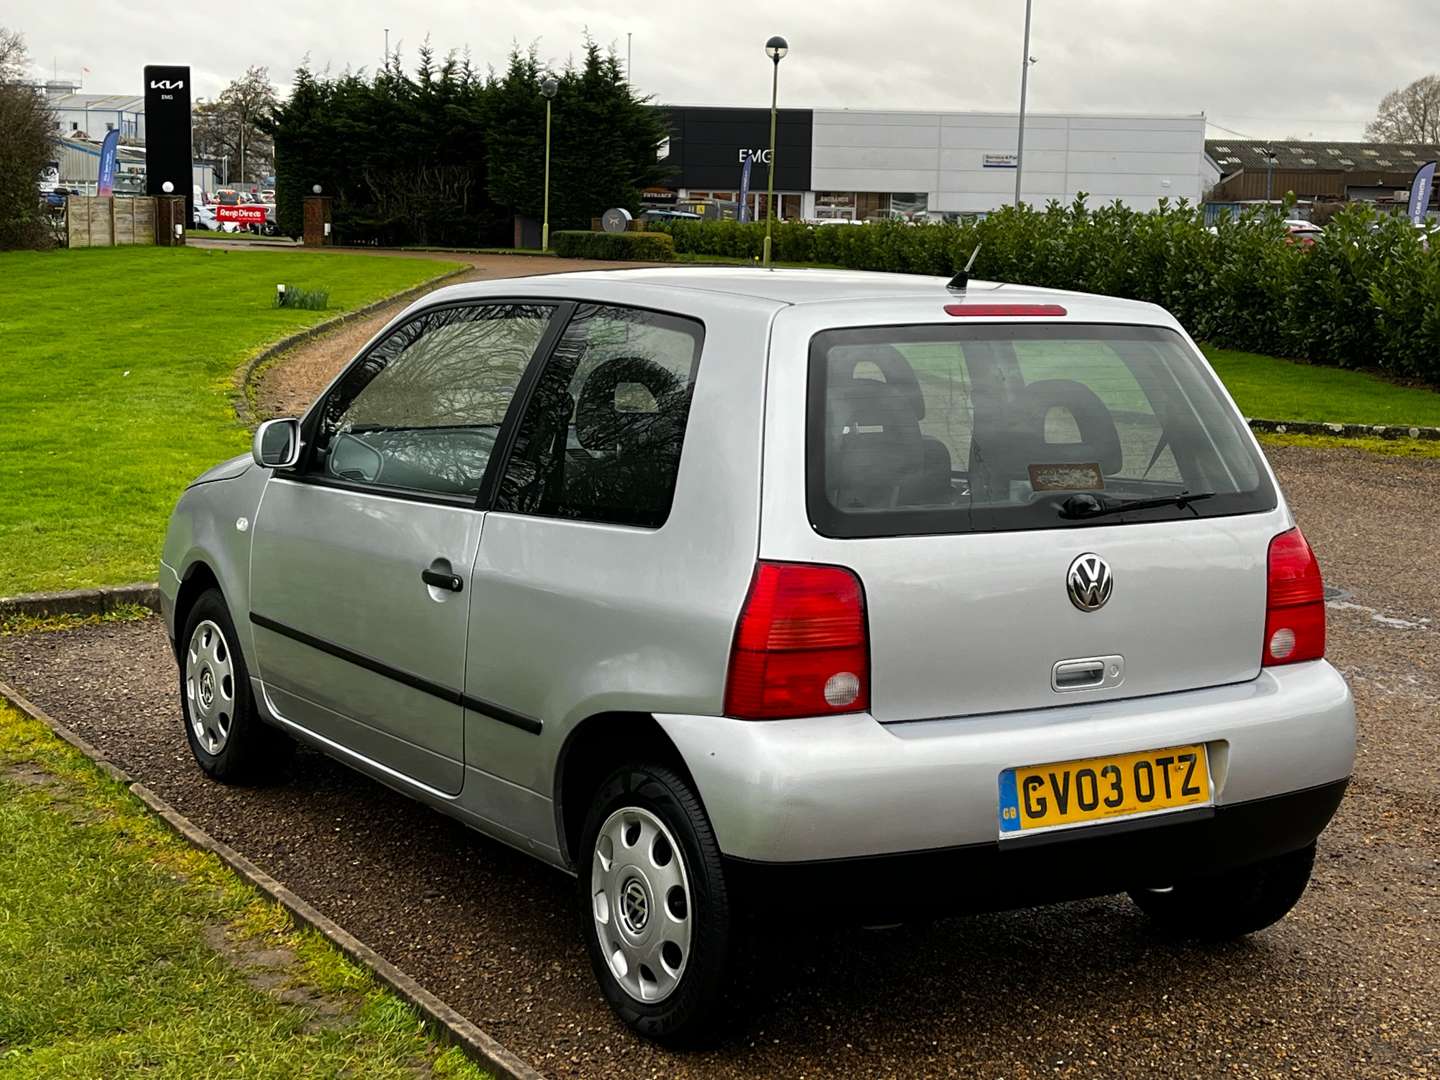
82, 601
1351, 431
242, 382
449, 1023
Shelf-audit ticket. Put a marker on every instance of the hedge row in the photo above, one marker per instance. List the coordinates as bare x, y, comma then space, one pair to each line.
635, 246
1367, 294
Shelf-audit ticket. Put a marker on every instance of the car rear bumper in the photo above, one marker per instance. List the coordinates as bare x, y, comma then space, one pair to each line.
843, 787
1068, 866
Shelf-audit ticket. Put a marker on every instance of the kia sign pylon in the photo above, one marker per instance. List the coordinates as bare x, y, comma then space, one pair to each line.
167, 133
1420, 192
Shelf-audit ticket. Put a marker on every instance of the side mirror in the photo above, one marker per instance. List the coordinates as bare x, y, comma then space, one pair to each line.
277, 444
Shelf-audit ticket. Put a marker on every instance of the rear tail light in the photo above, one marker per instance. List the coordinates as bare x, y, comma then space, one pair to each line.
801, 645
1295, 603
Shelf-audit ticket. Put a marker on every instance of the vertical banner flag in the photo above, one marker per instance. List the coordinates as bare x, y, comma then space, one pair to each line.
1420, 192
745, 188
109, 159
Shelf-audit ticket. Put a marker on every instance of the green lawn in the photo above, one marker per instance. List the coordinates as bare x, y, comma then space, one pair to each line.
119, 366
1274, 389
109, 924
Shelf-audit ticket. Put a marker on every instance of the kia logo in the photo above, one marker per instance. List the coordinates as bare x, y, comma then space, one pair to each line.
1089, 582
167, 84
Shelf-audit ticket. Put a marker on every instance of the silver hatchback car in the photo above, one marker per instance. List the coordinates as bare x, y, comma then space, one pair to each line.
854, 593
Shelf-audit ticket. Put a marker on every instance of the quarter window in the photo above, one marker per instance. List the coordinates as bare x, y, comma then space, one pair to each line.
601, 436
421, 411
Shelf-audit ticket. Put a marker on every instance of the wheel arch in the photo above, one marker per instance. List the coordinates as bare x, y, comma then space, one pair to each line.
197, 579
590, 752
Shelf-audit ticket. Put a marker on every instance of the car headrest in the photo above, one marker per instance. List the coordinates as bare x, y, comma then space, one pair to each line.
1099, 438
876, 445
899, 375
602, 424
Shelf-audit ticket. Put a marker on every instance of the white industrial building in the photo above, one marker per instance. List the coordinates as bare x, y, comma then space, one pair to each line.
867, 163
91, 116
965, 162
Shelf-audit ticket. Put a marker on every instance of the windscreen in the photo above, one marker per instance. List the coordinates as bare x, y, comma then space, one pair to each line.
944, 429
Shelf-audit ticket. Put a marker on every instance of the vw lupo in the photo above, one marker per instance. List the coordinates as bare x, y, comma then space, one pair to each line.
843, 591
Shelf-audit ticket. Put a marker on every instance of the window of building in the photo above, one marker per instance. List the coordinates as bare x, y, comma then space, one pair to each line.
602, 433
1307, 161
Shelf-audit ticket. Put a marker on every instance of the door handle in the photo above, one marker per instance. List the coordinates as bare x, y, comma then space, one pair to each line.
440, 580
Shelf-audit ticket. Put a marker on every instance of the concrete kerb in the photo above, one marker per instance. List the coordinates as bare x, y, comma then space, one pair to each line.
81, 601
448, 1023
242, 404
1348, 431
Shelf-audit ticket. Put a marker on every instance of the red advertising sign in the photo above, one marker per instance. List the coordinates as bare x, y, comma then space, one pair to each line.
244, 215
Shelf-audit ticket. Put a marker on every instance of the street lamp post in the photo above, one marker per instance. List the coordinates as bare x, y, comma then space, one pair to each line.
1025, 61
775, 48
548, 87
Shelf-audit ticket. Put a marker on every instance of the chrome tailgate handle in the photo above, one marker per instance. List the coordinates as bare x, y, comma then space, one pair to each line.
1087, 673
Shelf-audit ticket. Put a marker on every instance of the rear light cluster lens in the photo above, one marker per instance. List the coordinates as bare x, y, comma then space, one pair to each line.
801, 645
1295, 603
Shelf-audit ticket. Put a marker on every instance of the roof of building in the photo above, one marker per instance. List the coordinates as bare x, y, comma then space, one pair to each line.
99, 102
1233, 155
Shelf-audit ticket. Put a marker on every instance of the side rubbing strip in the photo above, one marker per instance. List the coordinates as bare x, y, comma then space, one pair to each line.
415, 682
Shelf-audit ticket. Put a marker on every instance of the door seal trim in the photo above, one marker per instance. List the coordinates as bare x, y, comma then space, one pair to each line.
415, 682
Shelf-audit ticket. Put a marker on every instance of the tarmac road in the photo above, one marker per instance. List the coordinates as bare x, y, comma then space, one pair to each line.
1348, 985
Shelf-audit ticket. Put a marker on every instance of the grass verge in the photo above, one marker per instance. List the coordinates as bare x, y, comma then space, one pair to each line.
119, 366
1275, 389
34, 624
109, 925
1407, 448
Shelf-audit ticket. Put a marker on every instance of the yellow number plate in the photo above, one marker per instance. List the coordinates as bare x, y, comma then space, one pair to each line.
1098, 789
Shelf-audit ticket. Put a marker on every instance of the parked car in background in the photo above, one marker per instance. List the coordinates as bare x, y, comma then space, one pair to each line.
779, 596
1303, 233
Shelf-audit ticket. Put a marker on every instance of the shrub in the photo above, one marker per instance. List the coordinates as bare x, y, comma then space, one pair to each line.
1367, 294
632, 246
293, 296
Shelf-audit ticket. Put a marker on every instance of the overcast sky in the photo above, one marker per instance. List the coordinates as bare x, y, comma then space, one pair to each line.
1300, 68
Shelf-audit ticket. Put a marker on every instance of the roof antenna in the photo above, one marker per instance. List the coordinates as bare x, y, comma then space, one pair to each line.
960, 280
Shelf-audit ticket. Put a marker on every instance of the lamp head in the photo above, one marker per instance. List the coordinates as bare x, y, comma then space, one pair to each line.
549, 86
776, 48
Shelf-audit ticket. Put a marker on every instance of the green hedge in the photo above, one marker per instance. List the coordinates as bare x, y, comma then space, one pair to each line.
633, 246
1367, 294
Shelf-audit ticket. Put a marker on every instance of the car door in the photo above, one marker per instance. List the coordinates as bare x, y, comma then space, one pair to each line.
360, 556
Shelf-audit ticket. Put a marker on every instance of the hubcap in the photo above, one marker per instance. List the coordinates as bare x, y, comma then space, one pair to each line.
640, 899
210, 687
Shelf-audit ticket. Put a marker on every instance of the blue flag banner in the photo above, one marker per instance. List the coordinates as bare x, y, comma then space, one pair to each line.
109, 159
745, 188
1420, 192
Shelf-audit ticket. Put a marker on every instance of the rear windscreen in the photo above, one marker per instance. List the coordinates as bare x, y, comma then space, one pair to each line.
943, 429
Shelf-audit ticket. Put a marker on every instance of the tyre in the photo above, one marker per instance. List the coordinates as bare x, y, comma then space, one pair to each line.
656, 913
1232, 904
229, 740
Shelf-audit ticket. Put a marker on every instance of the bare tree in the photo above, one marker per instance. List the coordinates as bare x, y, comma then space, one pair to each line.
1410, 114
29, 129
229, 126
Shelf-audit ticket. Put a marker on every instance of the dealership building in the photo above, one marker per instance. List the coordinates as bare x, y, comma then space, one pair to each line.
861, 163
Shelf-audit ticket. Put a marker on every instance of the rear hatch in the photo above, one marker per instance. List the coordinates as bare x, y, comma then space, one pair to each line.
1041, 512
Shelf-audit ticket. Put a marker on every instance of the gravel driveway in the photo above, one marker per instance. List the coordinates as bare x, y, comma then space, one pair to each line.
1349, 985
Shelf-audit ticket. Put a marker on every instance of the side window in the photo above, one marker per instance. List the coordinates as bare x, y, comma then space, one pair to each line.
602, 433
421, 411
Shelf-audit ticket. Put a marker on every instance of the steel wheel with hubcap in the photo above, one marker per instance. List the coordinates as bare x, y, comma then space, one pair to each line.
641, 899
658, 918
226, 735
210, 686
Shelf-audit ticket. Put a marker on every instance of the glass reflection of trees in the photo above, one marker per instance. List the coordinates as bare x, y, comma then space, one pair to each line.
430, 398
